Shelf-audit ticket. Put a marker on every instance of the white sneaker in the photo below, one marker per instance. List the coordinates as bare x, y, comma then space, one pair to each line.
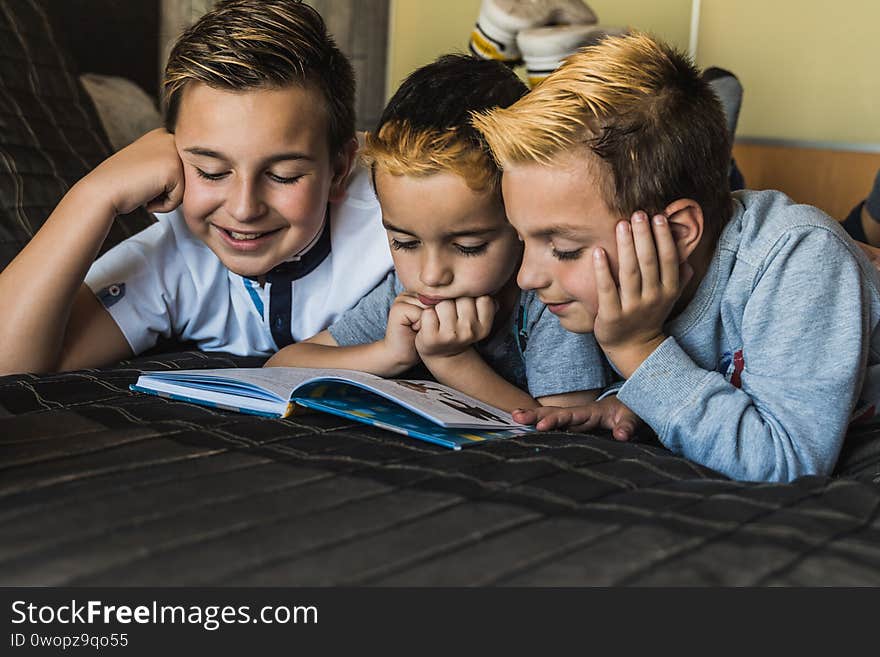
499, 21
544, 48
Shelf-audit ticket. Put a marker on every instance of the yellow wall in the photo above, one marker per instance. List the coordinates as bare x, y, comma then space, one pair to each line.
810, 68
423, 29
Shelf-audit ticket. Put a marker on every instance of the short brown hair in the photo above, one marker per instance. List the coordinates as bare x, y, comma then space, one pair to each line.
251, 44
643, 108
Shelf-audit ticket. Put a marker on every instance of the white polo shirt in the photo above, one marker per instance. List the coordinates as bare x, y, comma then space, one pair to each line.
166, 282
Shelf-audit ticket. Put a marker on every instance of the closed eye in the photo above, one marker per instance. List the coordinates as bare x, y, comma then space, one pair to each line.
567, 255
211, 176
282, 179
472, 250
406, 246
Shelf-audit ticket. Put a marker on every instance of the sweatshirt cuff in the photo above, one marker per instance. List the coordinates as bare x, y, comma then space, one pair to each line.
663, 384
612, 389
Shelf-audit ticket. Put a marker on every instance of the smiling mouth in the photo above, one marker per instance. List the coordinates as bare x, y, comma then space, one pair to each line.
236, 236
557, 307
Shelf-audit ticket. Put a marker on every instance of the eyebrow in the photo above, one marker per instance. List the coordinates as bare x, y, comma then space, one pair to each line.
562, 230
458, 233
278, 157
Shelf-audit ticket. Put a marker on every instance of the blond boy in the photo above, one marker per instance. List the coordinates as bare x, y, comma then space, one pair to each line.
745, 326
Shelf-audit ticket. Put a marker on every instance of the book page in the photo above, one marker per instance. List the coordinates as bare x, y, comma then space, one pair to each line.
278, 382
432, 400
437, 402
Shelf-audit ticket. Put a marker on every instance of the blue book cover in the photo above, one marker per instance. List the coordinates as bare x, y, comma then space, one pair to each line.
425, 410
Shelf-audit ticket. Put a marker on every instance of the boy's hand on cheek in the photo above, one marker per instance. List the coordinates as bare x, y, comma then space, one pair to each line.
631, 314
452, 326
147, 172
404, 321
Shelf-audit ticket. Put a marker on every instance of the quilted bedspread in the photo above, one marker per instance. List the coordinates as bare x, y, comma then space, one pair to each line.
102, 486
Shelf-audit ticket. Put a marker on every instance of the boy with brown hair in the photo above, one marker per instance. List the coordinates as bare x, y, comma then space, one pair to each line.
744, 325
265, 236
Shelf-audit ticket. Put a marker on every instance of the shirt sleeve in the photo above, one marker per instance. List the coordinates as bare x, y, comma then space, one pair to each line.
130, 282
367, 321
806, 337
559, 361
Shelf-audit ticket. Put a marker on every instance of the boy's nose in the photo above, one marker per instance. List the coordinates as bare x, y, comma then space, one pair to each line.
531, 275
244, 202
435, 272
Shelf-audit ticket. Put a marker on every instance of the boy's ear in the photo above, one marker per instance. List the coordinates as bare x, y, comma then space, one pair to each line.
342, 166
685, 217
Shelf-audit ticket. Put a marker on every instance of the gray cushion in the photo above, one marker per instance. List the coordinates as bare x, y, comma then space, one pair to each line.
125, 110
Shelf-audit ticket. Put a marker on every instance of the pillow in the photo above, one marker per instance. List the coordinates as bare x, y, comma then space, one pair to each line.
50, 135
125, 110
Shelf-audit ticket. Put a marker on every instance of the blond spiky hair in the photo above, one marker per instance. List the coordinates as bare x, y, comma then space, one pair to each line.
403, 150
642, 108
567, 108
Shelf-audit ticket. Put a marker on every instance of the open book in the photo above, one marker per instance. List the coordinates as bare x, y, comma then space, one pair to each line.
421, 409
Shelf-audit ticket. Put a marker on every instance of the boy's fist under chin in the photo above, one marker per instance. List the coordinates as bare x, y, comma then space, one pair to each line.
453, 325
404, 321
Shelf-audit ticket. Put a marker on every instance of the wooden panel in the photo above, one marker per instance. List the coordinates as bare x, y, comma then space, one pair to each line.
832, 180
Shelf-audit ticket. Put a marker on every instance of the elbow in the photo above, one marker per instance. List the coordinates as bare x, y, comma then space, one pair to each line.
13, 366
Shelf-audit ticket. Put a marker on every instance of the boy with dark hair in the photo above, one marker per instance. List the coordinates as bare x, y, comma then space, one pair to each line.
452, 302
744, 325
273, 238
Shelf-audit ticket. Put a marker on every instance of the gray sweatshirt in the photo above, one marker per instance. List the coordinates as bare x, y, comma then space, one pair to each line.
778, 349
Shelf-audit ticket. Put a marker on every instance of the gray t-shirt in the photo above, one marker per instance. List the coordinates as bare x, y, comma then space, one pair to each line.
532, 351
762, 371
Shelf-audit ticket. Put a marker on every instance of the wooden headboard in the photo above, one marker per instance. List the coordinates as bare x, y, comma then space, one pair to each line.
833, 180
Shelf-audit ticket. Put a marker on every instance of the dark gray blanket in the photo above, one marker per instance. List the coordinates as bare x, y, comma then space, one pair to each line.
99, 485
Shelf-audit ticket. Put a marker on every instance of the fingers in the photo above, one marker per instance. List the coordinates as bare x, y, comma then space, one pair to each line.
408, 309
545, 417
429, 322
524, 416
447, 321
648, 259
465, 319
624, 424
667, 254
486, 308
646, 253
410, 314
629, 276
606, 288
580, 419
548, 418
169, 199
608, 414
558, 419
